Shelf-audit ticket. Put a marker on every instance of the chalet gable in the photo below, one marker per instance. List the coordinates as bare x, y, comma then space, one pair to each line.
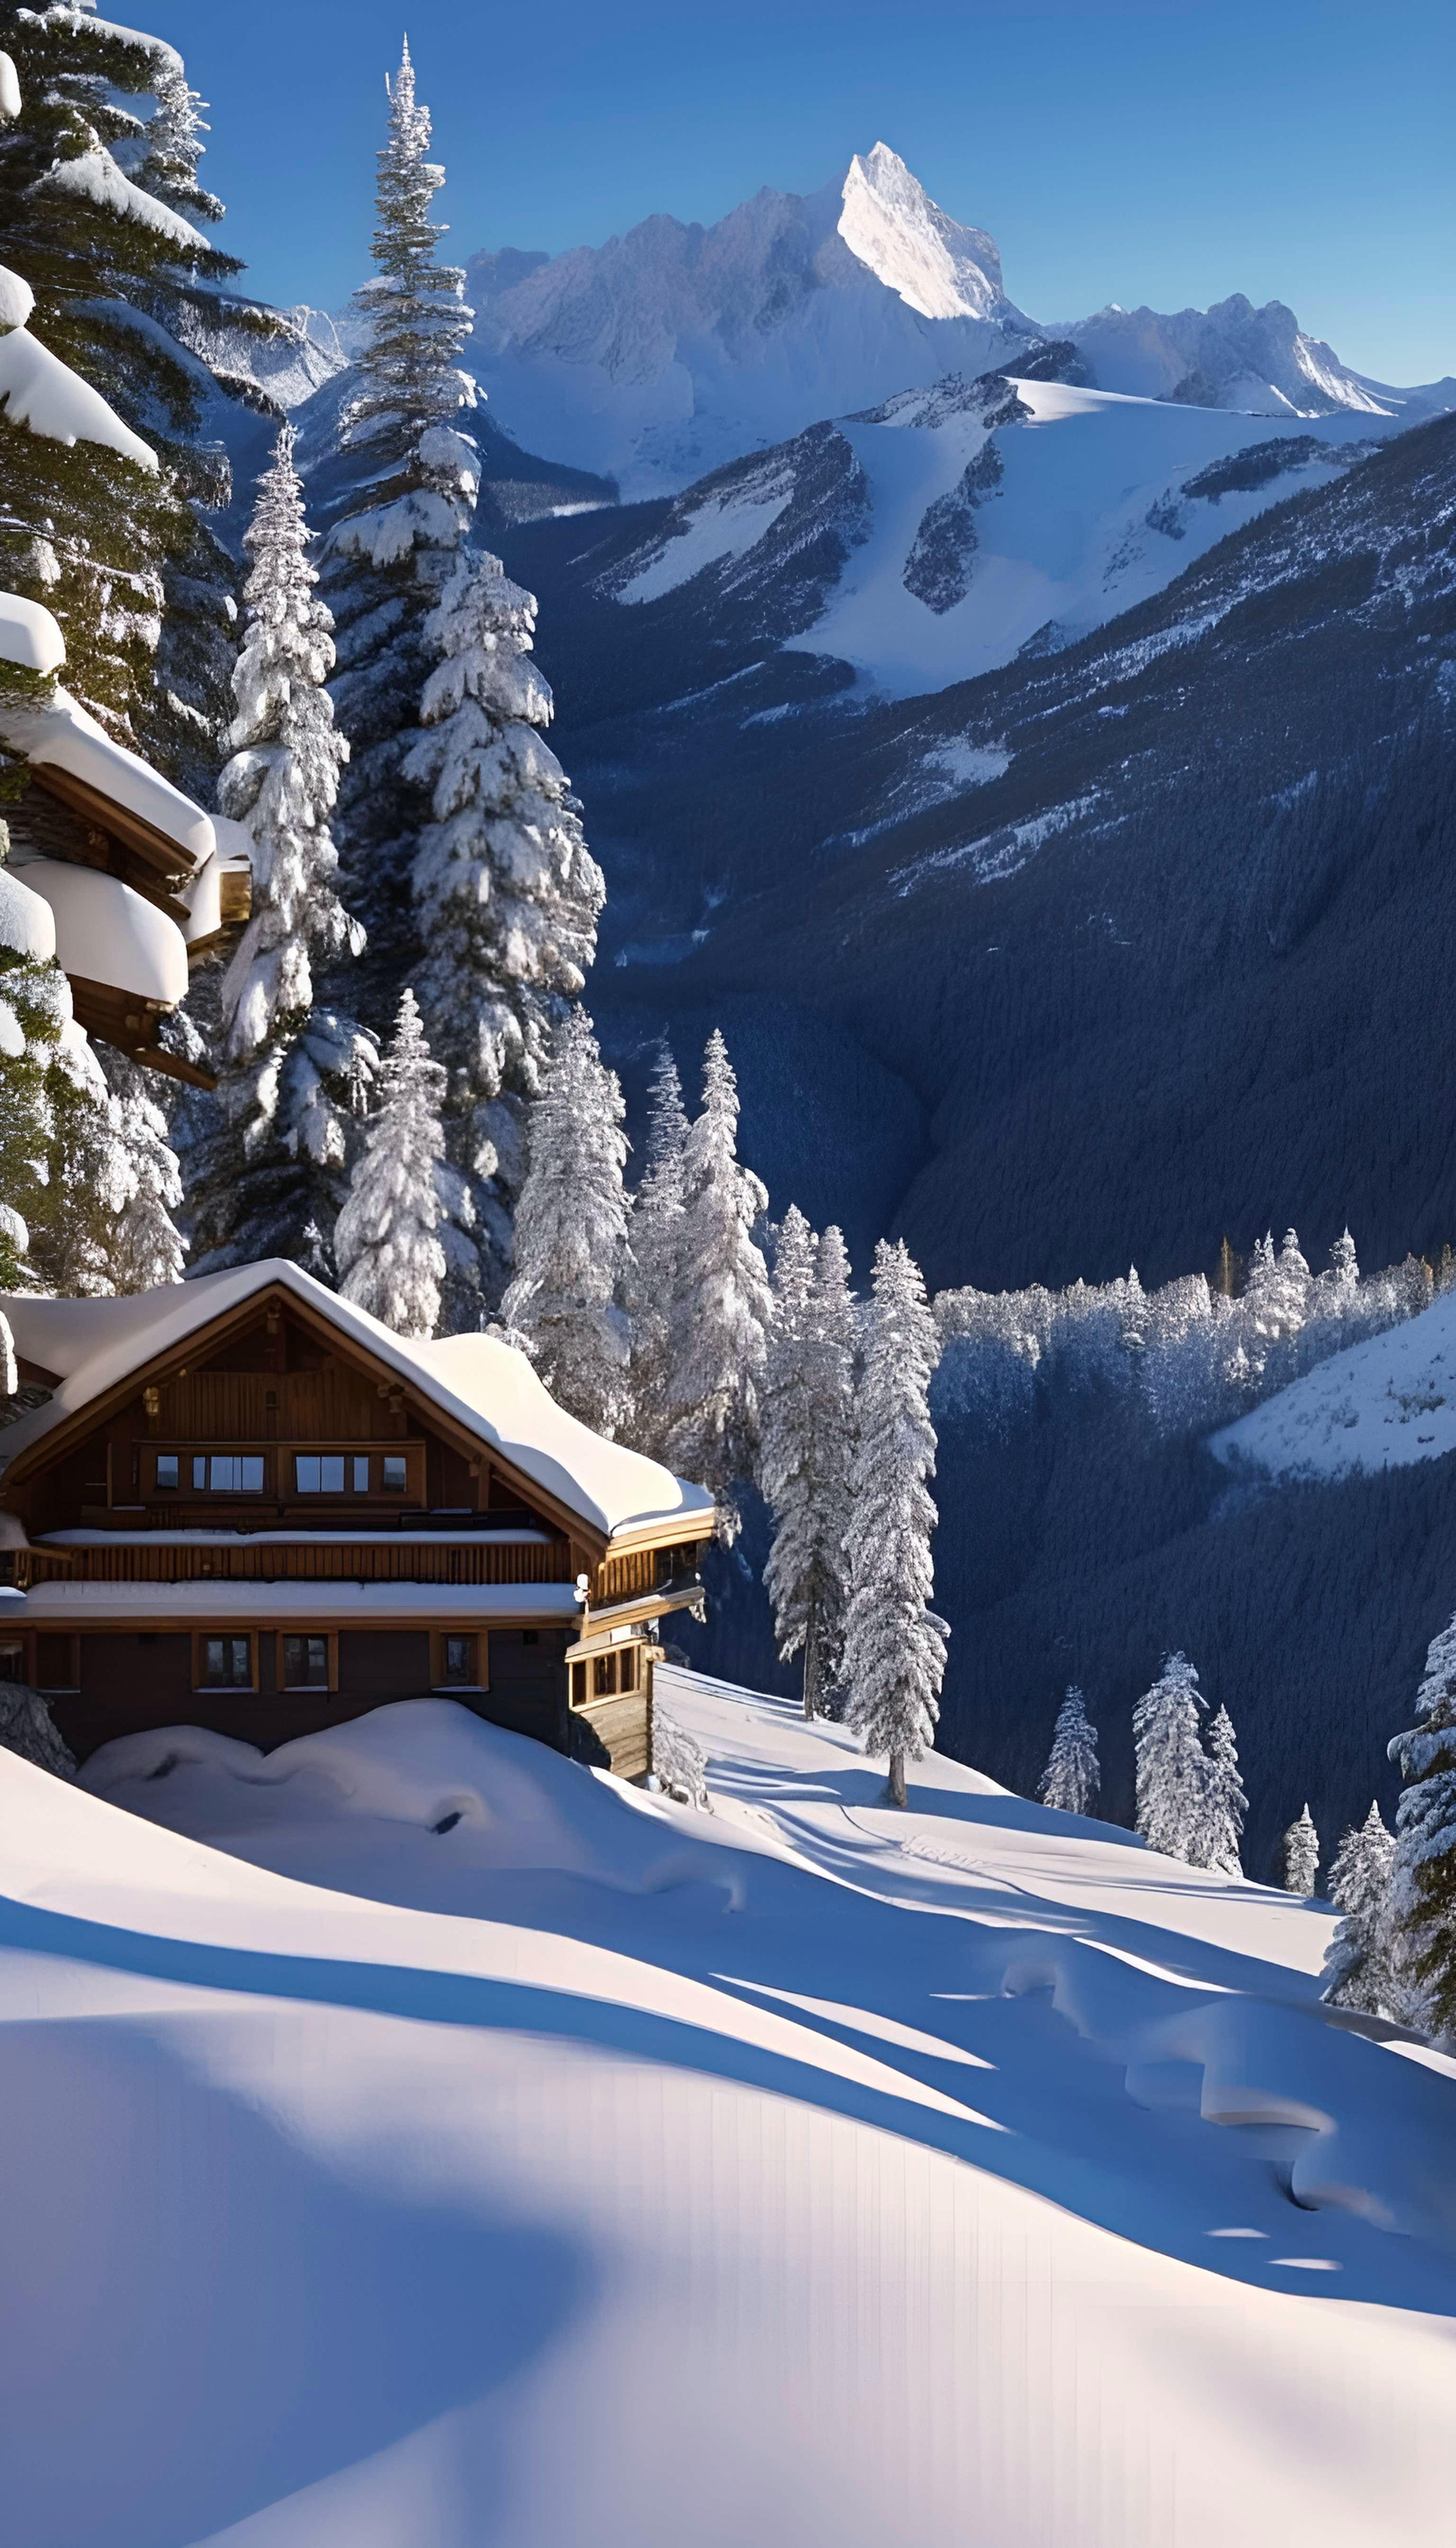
263, 1359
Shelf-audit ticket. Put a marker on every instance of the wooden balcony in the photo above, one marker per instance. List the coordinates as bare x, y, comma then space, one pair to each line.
643, 1571
260, 1561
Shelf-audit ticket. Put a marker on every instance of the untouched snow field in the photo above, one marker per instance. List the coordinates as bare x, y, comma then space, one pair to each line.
1379, 1404
413, 2141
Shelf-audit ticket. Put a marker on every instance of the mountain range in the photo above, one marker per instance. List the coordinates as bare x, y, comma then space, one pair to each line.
665, 353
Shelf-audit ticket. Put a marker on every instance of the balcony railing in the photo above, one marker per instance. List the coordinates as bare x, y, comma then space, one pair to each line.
258, 1562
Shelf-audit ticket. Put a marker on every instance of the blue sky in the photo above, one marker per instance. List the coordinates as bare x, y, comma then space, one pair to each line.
1149, 151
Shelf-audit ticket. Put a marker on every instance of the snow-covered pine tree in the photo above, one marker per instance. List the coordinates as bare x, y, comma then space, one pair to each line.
1357, 1969
267, 1152
1424, 1876
807, 1403
387, 1242
1171, 1765
657, 1233
408, 481
1225, 1803
721, 1311
1301, 1856
36, 1038
894, 1645
129, 294
571, 1233
1071, 1778
104, 1221
507, 892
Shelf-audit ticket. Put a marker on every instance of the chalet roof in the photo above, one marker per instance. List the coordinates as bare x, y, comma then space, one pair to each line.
59, 734
484, 1385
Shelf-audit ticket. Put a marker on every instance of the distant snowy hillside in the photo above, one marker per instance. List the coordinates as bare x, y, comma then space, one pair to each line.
933, 537
419, 2139
1381, 1404
665, 353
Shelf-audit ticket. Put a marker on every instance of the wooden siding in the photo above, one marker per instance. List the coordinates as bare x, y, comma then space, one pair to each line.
615, 1735
372, 1561
641, 1571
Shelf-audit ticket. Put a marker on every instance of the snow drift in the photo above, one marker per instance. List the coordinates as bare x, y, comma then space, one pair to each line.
820, 2171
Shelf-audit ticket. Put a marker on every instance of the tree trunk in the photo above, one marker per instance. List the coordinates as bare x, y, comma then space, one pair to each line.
811, 1661
895, 1786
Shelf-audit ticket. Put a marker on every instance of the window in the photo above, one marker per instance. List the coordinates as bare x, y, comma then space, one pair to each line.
603, 1676
579, 1684
395, 1473
361, 1473
227, 1473
226, 1662
628, 1669
457, 1662
320, 1472
306, 1663
167, 1466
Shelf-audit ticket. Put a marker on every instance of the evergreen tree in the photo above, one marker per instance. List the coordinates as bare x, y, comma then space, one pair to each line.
894, 1647
807, 1421
38, 1041
1071, 1778
507, 892
410, 482
386, 1242
721, 1311
570, 1233
1171, 1766
269, 1148
1225, 1803
1424, 1876
657, 1235
129, 293
1301, 1856
1357, 1960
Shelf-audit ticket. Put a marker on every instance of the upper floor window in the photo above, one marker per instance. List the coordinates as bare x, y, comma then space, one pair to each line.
395, 1473
225, 1473
168, 1469
322, 1473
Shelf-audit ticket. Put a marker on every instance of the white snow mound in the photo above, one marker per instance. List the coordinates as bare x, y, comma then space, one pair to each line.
414, 2138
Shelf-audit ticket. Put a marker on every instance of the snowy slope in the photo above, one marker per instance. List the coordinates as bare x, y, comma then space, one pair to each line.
482, 2150
668, 353
962, 523
1381, 1404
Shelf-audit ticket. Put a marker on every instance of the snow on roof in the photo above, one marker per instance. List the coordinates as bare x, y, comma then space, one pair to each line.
61, 735
27, 923
1382, 1403
107, 933
39, 390
482, 1383
28, 635
10, 100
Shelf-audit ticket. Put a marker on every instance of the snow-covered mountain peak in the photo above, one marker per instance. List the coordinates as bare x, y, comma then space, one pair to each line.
939, 267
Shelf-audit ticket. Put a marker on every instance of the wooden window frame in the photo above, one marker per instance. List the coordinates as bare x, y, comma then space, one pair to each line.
202, 1688
302, 1689
439, 1686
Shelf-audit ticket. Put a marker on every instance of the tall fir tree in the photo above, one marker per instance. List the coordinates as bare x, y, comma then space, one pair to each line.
268, 1151
894, 1647
387, 1246
1071, 1778
1171, 1766
657, 1239
506, 893
721, 1311
132, 296
1301, 1856
1357, 1971
807, 1421
570, 1233
1226, 1806
402, 495
1424, 1876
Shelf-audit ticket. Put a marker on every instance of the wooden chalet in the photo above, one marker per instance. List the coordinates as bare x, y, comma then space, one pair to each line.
132, 883
242, 1503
